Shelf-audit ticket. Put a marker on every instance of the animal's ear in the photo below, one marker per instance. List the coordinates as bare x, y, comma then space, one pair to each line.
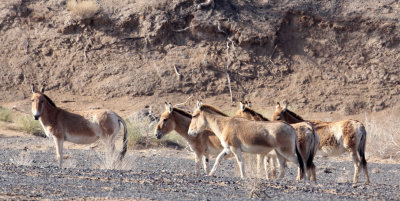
284, 108
33, 88
42, 89
249, 104
168, 107
242, 106
277, 105
199, 104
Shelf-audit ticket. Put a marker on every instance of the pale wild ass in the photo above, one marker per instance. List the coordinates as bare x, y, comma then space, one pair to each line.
239, 135
203, 145
308, 140
335, 138
76, 128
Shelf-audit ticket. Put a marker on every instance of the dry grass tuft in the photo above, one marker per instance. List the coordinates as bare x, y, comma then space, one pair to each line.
109, 159
83, 9
6, 115
29, 125
140, 132
383, 136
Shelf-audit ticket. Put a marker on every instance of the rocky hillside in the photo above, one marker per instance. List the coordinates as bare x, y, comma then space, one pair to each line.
320, 56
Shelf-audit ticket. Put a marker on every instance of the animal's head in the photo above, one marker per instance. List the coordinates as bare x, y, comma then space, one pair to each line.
244, 110
279, 112
198, 123
166, 123
37, 99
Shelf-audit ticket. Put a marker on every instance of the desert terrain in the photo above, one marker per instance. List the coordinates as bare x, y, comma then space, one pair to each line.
329, 60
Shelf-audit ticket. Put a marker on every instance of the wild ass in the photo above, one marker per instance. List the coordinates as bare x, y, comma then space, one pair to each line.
75, 128
308, 140
203, 145
239, 135
335, 138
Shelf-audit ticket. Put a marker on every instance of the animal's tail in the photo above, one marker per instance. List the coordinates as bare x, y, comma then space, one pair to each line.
361, 146
300, 159
125, 140
313, 147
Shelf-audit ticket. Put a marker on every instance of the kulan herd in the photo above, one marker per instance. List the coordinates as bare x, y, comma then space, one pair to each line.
210, 132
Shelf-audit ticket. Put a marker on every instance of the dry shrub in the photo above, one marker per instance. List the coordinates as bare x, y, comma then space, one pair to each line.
83, 9
383, 136
29, 125
6, 115
140, 132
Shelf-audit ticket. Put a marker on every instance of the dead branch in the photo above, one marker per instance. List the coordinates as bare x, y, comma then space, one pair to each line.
177, 73
18, 110
206, 4
184, 29
181, 104
227, 70
85, 52
273, 52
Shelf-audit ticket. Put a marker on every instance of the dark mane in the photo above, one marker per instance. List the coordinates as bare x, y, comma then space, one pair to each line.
254, 113
213, 110
49, 100
294, 115
186, 114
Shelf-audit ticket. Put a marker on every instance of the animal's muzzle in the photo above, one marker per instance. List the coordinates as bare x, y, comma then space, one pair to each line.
159, 134
36, 117
192, 133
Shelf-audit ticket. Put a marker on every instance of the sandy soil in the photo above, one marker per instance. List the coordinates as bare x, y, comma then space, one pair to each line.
28, 171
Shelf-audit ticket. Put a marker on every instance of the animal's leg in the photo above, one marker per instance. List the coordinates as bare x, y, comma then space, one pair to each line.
260, 159
59, 150
282, 165
366, 174
238, 155
197, 161
273, 164
312, 172
357, 163
206, 164
266, 160
220, 156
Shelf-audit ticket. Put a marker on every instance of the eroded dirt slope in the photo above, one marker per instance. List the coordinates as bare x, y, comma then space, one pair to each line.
320, 56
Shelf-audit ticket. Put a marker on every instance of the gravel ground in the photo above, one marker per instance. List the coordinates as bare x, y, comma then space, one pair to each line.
28, 170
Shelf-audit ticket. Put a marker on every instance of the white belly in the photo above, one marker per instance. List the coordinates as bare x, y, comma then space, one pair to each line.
255, 149
79, 139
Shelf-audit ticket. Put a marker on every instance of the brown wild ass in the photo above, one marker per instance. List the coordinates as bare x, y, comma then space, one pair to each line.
203, 145
335, 138
308, 140
239, 135
75, 128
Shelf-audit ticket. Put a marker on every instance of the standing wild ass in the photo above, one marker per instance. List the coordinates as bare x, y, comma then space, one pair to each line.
204, 144
75, 128
239, 135
308, 140
335, 138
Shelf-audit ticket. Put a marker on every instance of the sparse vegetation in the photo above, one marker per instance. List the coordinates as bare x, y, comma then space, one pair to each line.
140, 132
83, 9
28, 124
383, 136
6, 115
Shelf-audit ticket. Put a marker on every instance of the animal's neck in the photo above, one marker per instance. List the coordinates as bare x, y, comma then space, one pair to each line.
48, 117
215, 122
182, 125
292, 119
